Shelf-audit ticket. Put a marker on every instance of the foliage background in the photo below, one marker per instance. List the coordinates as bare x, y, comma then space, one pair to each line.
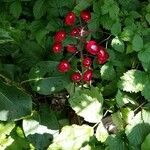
29, 79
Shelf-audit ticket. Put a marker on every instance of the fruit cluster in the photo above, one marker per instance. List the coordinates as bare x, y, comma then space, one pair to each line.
91, 47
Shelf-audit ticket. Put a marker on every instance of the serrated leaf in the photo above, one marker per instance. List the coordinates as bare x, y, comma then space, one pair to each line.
118, 120
137, 42
72, 137
146, 143
40, 130
16, 8
133, 81
116, 28
83, 102
101, 133
5, 139
147, 16
118, 44
115, 142
45, 78
107, 72
138, 128
144, 54
14, 103
123, 99
39, 8
146, 89
83, 4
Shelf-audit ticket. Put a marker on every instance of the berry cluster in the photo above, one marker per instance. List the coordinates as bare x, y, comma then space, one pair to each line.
92, 48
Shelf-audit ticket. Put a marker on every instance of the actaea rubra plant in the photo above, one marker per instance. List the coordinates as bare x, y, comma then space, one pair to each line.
90, 49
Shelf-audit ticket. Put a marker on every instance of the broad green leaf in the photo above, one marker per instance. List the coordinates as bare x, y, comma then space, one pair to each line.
111, 7
118, 44
94, 23
146, 143
123, 99
41, 127
127, 34
20, 142
116, 28
69, 40
116, 142
83, 4
145, 91
118, 120
39, 8
137, 43
101, 133
144, 54
147, 16
72, 137
16, 8
107, 72
5, 139
45, 78
83, 102
138, 128
133, 81
14, 103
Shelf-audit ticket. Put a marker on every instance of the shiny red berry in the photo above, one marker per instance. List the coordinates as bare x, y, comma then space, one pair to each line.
57, 47
63, 66
87, 62
76, 77
87, 75
85, 15
102, 55
71, 48
92, 47
60, 36
75, 32
70, 18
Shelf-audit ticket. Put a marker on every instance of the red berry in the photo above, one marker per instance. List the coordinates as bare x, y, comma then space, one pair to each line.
75, 32
70, 18
85, 15
60, 36
71, 48
102, 55
87, 62
57, 47
76, 77
87, 75
92, 47
63, 66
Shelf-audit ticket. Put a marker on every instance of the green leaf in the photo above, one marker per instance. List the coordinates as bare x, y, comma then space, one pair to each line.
94, 23
69, 40
83, 4
115, 142
118, 44
144, 54
39, 8
123, 99
45, 78
5, 139
111, 7
147, 16
20, 142
101, 133
72, 137
41, 127
14, 103
16, 8
83, 102
116, 28
146, 143
138, 128
118, 120
137, 43
107, 72
145, 91
132, 81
